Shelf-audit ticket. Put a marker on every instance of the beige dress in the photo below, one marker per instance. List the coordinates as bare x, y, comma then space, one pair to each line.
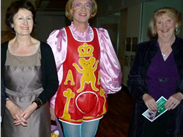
23, 85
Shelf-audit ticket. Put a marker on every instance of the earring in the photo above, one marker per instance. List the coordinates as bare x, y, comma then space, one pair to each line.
12, 26
176, 30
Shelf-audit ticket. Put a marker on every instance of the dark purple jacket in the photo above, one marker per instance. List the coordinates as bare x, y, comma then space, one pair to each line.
137, 85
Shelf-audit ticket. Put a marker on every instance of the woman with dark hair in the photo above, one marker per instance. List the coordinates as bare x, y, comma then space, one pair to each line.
14, 8
157, 71
29, 73
88, 70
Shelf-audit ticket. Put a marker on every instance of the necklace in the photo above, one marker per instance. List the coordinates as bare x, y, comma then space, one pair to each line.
163, 54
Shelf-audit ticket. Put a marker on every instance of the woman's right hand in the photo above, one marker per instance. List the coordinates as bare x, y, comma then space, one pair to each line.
150, 102
15, 111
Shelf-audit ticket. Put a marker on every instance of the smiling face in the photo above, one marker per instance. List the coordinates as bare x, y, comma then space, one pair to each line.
81, 11
165, 26
23, 22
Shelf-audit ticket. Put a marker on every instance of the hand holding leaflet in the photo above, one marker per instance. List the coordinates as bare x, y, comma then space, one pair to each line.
152, 115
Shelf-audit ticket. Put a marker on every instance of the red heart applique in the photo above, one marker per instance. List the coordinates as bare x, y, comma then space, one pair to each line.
86, 101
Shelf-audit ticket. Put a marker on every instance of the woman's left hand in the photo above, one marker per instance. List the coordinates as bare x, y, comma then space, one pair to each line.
174, 101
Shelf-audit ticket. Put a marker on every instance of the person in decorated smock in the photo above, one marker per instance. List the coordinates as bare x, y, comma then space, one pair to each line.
157, 71
29, 74
88, 70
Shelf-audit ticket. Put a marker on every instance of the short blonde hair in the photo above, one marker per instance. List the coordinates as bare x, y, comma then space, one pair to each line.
171, 12
69, 7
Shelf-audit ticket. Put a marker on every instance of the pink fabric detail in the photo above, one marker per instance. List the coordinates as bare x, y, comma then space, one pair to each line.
111, 75
82, 36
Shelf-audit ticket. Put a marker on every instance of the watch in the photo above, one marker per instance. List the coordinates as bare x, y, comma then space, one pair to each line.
38, 102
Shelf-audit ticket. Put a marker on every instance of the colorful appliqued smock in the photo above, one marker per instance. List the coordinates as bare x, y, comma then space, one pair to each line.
88, 70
